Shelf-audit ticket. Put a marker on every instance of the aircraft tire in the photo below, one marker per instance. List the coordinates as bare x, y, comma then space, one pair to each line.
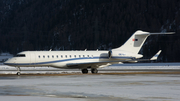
94, 70
18, 73
84, 71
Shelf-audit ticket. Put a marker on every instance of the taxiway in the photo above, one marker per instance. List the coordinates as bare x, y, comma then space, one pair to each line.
102, 87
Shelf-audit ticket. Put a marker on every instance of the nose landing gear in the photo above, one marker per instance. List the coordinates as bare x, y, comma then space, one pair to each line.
18, 71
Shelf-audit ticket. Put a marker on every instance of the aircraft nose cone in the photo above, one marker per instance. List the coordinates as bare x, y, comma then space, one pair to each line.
8, 62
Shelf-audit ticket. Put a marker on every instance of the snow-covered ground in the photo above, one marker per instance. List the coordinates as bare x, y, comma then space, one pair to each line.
135, 87
141, 87
118, 67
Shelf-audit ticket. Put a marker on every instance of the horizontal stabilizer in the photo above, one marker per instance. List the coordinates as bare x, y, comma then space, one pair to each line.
147, 33
156, 56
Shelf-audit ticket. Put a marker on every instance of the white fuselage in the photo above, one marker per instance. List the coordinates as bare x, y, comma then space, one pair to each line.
128, 52
60, 59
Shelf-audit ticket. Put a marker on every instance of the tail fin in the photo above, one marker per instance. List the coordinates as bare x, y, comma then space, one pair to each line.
135, 42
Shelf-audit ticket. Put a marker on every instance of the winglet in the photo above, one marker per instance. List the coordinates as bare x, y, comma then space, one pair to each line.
156, 56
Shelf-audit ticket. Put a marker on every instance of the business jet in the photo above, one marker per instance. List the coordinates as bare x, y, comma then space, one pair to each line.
83, 60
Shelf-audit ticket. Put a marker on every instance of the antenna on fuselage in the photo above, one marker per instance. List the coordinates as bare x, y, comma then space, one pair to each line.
85, 50
50, 49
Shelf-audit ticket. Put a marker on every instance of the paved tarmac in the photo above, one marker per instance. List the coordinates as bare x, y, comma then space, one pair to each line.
89, 87
129, 82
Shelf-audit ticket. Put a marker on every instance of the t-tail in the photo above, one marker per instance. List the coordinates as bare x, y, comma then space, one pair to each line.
136, 41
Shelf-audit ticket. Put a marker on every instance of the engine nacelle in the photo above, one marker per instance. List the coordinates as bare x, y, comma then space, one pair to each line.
123, 55
112, 53
109, 54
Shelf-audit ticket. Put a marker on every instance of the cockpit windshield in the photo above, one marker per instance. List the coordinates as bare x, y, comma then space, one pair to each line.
20, 55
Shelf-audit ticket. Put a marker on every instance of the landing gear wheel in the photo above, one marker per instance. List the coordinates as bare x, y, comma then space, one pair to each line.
94, 70
18, 73
84, 71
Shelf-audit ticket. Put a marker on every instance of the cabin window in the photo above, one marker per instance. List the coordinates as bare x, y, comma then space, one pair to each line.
20, 55
75, 56
39, 56
53, 56
79, 55
70, 56
43, 56
61, 56
88, 56
48, 56
66, 56
57, 56
83, 56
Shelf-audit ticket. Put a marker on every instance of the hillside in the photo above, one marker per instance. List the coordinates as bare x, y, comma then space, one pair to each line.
89, 24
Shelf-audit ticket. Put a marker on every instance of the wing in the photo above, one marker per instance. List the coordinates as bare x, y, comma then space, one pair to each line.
91, 64
106, 63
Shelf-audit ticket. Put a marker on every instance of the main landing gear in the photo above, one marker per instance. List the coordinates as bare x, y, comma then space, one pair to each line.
84, 71
18, 71
93, 71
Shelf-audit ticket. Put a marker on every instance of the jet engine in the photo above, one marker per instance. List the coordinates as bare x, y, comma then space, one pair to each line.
109, 54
